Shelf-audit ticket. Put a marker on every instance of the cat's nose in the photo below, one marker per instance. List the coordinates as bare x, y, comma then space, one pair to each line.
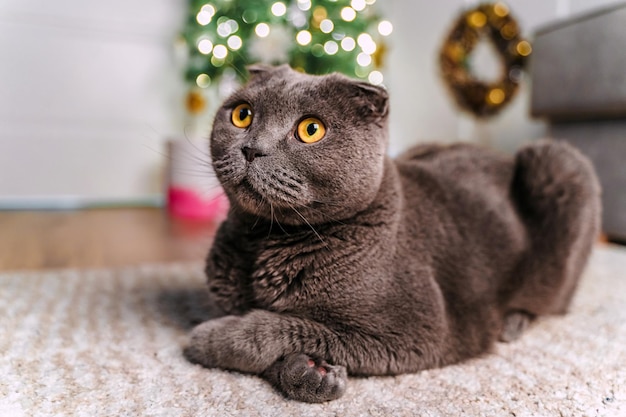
251, 153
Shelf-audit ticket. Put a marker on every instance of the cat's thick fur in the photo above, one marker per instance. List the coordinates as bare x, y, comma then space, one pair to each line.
336, 258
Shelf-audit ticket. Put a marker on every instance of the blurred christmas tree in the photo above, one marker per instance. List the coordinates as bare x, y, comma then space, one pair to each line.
315, 36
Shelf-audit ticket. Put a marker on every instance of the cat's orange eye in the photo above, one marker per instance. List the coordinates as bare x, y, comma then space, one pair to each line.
310, 130
242, 116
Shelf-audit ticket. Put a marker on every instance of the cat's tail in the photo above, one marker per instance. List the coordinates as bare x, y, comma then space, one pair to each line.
557, 195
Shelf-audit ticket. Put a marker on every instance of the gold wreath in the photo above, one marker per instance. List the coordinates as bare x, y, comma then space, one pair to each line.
494, 22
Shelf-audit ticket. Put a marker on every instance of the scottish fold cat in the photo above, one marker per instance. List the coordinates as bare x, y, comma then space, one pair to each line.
336, 260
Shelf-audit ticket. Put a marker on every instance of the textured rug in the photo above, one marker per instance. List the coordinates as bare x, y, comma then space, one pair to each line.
108, 343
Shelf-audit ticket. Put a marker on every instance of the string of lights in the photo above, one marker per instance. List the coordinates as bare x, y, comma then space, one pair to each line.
314, 36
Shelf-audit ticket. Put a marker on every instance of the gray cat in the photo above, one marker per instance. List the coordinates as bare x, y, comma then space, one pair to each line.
336, 259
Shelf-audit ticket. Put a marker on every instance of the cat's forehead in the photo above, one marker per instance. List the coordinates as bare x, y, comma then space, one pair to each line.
284, 76
289, 88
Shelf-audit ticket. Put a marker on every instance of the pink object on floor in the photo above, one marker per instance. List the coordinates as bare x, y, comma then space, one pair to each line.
185, 203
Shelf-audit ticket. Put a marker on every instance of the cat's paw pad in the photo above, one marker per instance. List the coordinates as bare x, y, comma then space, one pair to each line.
308, 379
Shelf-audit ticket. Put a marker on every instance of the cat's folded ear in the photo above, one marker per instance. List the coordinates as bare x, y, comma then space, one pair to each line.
262, 71
373, 100
258, 69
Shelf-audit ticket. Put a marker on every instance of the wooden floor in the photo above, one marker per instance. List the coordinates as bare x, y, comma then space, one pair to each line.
98, 238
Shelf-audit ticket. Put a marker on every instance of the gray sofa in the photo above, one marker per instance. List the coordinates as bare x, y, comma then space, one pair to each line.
578, 73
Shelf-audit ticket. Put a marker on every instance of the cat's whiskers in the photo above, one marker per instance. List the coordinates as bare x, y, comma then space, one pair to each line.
271, 219
281, 226
199, 167
200, 151
309, 224
308, 206
199, 155
259, 211
191, 157
325, 215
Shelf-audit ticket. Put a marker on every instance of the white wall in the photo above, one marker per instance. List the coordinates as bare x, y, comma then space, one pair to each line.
90, 91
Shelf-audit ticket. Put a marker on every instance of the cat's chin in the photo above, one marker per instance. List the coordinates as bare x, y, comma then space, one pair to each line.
259, 195
249, 202
248, 199
255, 202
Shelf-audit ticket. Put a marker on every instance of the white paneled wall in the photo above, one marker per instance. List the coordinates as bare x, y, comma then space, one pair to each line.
90, 91
88, 94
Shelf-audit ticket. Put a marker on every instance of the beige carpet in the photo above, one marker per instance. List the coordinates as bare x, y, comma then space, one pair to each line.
108, 343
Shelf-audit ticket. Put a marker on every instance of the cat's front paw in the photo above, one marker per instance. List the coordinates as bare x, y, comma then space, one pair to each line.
515, 323
208, 342
303, 378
